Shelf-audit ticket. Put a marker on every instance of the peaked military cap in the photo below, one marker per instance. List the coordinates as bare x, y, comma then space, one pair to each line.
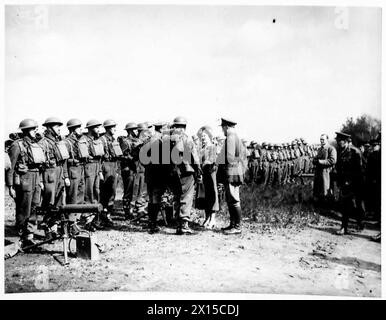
227, 122
342, 136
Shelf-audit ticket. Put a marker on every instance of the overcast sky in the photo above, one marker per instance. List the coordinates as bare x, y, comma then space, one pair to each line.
299, 76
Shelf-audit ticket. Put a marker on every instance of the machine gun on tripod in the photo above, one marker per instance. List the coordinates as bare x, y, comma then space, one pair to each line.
67, 229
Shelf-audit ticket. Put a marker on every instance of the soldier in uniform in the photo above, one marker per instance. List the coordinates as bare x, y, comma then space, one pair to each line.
373, 180
184, 170
230, 173
324, 163
55, 174
93, 165
155, 174
75, 166
129, 145
24, 179
265, 158
350, 182
112, 154
274, 171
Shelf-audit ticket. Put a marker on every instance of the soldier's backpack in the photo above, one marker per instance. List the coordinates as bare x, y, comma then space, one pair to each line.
37, 155
97, 149
63, 151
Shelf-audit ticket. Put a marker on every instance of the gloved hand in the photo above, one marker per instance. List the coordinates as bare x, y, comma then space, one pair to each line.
67, 182
41, 186
101, 176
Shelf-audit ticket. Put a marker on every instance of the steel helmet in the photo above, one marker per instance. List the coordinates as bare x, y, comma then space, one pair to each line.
93, 123
52, 121
270, 145
109, 123
74, 123
142, 126
180, 121
131, 126
28, 124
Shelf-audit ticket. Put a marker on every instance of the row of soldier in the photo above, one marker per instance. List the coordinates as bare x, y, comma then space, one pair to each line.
83, 168
279, 164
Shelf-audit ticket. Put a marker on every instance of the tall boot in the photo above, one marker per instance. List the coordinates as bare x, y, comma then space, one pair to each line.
236, 229
231, 219
153, 210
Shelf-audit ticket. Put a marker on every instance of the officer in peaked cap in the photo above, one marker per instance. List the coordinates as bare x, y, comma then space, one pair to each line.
228, 122
341, 136
350, 181
231, 174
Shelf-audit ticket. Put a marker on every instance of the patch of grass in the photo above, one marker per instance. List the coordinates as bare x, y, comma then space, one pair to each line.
281, 206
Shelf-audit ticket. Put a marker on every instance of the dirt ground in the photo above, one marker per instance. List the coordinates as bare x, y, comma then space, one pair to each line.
308, 260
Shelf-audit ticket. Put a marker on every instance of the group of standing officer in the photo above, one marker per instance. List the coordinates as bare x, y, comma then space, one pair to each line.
356, 174
279, 164
82, 168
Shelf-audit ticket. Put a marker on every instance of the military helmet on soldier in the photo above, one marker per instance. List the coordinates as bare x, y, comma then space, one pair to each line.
28, 124
179, 121
131, 126
73, 123
142, 126
109, 123
93, 123
52, 121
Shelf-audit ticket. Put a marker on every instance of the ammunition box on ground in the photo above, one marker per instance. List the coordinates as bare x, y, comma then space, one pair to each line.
86, 247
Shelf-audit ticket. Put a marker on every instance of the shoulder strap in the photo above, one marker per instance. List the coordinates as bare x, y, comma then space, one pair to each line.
23, 149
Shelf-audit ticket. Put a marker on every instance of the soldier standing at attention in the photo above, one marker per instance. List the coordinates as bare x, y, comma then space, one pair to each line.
112, 154
55, 174
129, 145
24, 179
185, 169
75, 166
92, 168
230, 168
350, 182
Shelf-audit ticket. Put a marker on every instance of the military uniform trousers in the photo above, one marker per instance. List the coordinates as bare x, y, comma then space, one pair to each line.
183, 190
27, 199
128, 177
92, 181
109, 184
351, 203
266, 172
139, 190
75, 192
53, 181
